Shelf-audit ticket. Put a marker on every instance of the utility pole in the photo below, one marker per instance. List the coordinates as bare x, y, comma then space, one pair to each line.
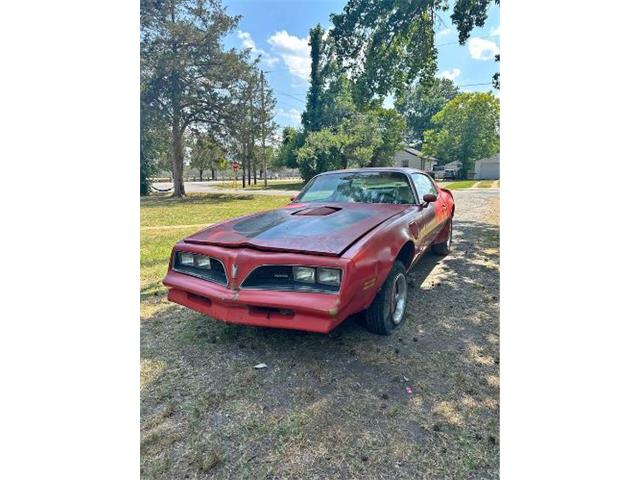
263, 116
250, 146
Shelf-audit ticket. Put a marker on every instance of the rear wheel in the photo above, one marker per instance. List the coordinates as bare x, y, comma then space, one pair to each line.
389, 307
445, 247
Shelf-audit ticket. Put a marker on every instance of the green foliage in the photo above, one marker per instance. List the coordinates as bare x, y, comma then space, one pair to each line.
392, 127
466, 129
292, 140
420, 102
189, 81
468, 14
321, 151
207, 154
311, 117
362, 140
388, 45
394, 38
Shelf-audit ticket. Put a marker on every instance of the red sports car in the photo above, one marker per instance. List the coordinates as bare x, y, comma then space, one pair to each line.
342, 246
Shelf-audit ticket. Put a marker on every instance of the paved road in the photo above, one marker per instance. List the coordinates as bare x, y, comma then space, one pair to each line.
211, 187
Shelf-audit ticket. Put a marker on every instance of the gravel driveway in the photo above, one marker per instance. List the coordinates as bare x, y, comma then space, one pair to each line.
421, 403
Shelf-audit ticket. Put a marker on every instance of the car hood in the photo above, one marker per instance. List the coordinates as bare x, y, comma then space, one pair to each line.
322, 229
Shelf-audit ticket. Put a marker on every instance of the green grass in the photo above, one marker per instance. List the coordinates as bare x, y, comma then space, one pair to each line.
327, 405
461, 184
485, 184
162, 210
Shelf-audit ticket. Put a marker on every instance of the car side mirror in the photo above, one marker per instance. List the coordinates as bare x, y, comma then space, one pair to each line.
427, 198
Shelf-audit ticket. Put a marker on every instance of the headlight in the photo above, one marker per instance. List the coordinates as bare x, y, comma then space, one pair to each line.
329, 276
203, 262
186, 259
304, 274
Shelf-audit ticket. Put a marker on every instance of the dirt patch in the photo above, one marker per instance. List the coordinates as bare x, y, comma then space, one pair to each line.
422, 403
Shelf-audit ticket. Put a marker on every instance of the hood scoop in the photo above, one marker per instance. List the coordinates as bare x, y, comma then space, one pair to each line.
318, 211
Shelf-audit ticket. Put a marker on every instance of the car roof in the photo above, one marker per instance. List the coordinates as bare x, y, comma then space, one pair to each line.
405, 170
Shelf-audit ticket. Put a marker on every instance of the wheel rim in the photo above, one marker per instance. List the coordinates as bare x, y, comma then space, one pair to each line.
398, 298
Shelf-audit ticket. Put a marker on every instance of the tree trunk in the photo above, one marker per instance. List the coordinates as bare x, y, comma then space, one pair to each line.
213, 174
200, 170
177, 162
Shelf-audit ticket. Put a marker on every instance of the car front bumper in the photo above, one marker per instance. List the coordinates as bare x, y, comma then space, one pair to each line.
312, 312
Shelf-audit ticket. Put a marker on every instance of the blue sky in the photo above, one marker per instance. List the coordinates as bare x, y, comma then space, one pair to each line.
278, 30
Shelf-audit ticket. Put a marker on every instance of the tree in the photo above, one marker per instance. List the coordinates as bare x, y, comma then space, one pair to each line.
322, 151
420, 102
266, 124
468, 14
207, 154
387, 45
254, 119
365, 139
392, 132
190, 79
466, 129
292, 140
311, 117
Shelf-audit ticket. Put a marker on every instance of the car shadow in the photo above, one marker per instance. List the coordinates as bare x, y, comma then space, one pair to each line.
349, 384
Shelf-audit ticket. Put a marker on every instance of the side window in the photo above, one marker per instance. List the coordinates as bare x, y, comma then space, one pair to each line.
423, 185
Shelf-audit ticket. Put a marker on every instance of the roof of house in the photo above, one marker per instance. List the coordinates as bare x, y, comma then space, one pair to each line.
454, 164
491, 159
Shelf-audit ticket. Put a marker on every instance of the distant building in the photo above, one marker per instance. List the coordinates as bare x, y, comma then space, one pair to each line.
448, 171
488, 168
412, 158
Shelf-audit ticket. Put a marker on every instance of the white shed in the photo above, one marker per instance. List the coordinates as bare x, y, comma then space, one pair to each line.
488, 168
412, 158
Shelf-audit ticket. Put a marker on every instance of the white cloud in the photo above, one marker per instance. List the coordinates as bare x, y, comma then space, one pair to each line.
294, 51
292, 114
450, 74
443, 32
482, 49
248, 42
495, 32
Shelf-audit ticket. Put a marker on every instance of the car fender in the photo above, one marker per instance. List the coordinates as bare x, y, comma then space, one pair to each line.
372, 256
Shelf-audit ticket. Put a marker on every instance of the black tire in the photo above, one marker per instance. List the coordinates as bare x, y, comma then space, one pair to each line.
445, 247
381, 317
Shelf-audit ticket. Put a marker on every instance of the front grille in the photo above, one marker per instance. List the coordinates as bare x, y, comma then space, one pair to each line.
280, 277
217, 273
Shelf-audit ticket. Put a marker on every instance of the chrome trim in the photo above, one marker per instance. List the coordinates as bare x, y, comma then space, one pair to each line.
306, 290
202, 277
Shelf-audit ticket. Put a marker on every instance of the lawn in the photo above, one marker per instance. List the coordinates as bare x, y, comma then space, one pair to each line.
422, 403
460, 184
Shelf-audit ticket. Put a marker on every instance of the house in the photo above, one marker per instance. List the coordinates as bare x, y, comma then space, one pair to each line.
412, 158
488, 168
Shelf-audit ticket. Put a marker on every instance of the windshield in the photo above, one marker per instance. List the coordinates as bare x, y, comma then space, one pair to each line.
360, 187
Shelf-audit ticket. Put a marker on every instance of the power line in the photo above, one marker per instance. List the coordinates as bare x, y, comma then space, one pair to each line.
474, 84
290, 96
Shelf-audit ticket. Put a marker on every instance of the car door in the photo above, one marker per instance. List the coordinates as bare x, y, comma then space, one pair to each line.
427, 216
